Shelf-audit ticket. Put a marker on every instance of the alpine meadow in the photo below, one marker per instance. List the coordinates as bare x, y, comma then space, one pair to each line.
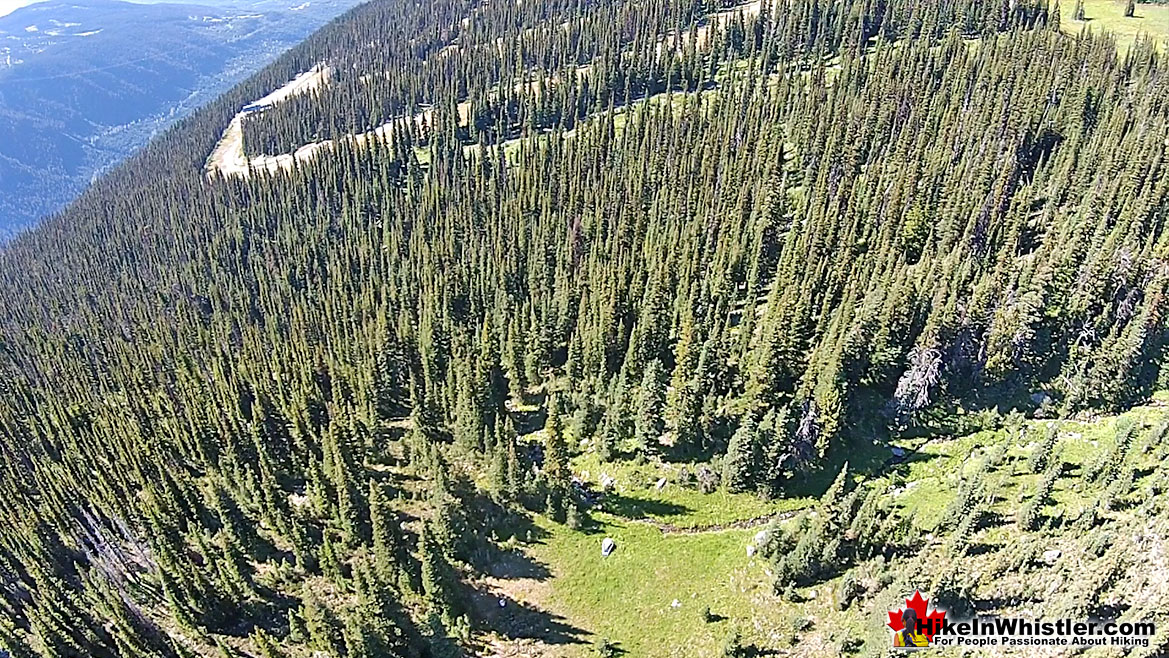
646, 328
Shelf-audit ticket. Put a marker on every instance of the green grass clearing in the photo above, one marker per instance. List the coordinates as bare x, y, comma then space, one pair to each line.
1149, 20
628, 596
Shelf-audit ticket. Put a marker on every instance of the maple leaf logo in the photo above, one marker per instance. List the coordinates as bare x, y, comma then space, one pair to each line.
930, 621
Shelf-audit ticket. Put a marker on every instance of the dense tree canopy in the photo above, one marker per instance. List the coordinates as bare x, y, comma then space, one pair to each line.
759, 231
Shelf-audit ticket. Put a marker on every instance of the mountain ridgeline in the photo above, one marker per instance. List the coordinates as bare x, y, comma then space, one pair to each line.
752, 235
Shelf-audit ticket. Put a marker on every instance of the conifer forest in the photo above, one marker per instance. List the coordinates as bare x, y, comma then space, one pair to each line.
807, 304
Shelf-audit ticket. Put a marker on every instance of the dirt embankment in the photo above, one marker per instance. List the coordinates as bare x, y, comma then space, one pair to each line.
228, 157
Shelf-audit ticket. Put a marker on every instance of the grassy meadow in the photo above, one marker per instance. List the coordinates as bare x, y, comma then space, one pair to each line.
1149, 20
680, 551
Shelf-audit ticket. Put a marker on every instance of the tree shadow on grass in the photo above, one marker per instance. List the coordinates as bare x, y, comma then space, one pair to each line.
612, 648
590, 525
518, 621
991, 519
508, 523
634, 507
532, 417
270, 613
499, 562
493, 524
987, 604
876, 463
981, 548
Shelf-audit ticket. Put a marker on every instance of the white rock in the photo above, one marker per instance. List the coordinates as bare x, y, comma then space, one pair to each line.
661, 484
750, 550
1051, 556
760, 537
608, 546
676, 604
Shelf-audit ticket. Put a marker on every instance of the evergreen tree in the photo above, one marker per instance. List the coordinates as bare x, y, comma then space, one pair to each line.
556, 466
321, 625
683, 401
265, 644
650, 407
739, 470
386, 542
436, 577
555, 445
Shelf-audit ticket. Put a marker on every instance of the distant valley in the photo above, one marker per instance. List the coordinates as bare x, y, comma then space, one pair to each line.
83, 84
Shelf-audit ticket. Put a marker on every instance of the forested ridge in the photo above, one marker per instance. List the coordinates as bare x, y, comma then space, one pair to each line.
291, 412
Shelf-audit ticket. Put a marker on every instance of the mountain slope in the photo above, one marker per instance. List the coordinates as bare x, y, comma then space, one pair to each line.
646, 268
83, 84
